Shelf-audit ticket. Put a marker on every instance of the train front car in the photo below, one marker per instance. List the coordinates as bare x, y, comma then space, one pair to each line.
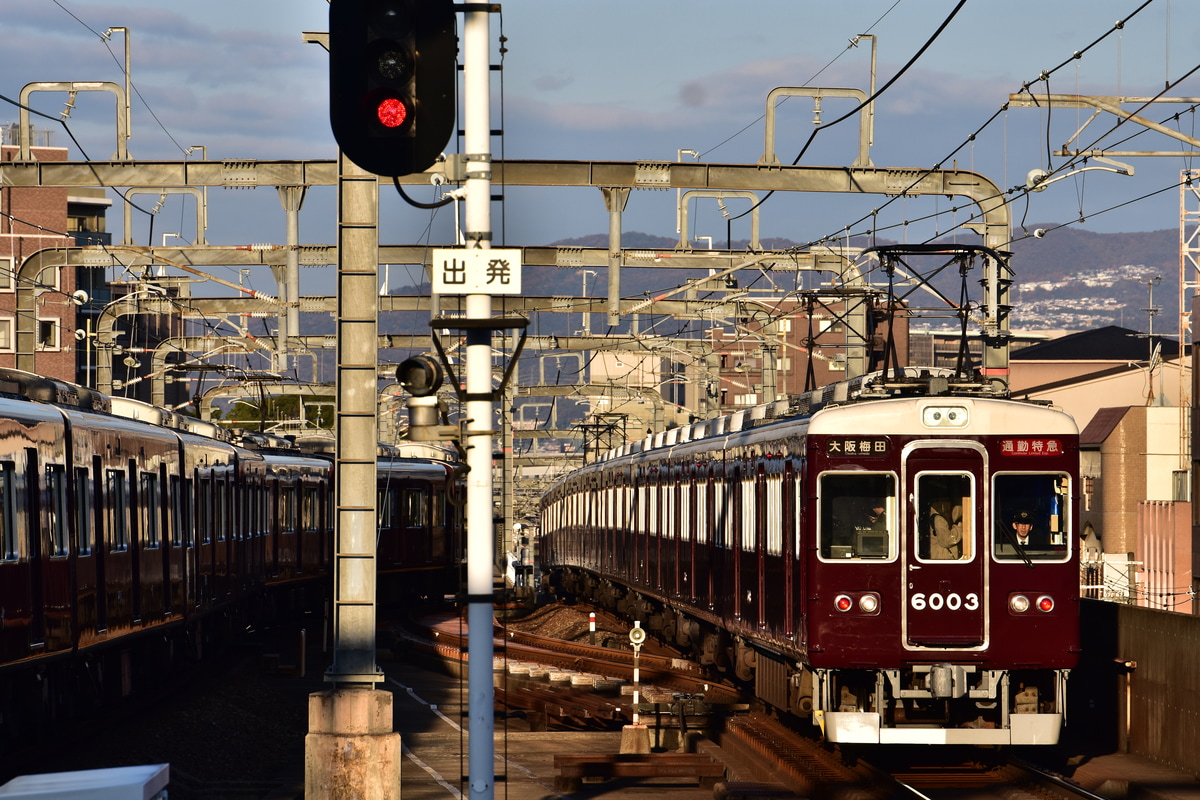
942, 605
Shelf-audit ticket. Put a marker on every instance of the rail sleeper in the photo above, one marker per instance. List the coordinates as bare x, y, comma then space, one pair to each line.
574, 767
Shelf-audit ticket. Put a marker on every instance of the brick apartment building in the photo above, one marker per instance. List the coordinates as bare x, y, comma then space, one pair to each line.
40, 218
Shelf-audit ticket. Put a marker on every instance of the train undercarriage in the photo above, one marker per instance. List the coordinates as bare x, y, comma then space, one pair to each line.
919, 704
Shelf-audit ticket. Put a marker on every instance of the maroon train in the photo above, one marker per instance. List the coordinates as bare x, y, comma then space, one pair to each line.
119, 520
856, 559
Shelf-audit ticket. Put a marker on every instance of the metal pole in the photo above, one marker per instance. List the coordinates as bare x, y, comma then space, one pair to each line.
357, 357
292, 198
477, 143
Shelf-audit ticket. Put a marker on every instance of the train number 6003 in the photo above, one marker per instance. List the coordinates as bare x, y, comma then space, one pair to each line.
952, 602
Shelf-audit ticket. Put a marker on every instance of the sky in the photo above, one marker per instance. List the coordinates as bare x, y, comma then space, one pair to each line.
629, 80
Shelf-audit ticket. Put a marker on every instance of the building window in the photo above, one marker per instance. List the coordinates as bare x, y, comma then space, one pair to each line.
46, 279
47, 333
7, 279
6, 334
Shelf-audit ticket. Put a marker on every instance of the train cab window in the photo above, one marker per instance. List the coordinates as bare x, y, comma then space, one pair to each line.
944, 502
1030, 520
857, 514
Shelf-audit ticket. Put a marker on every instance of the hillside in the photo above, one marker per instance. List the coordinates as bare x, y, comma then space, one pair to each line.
1071, 278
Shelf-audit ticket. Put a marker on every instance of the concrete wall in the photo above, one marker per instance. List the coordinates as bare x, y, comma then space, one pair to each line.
1150, 707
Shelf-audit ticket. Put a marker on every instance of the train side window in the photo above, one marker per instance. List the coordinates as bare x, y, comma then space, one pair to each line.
439, 508
1031, 515
83, 512
312, 509
221, 509
944, 503
385, 499
149, 505
8, 522
857, 514
775, 510
115, 510
56, 488
287, 523
181, 531
204, 508
416, 512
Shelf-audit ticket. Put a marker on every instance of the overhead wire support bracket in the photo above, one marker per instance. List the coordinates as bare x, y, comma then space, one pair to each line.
489, 324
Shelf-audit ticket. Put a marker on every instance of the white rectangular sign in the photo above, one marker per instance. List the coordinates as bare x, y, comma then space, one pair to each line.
496, 271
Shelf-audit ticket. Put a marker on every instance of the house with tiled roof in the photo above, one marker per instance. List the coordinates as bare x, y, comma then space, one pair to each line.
1130, 395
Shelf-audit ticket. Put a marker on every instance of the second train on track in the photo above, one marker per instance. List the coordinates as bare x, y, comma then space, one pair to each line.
894, 557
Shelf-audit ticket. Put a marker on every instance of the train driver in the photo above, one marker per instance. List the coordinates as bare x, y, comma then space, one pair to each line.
1020, 536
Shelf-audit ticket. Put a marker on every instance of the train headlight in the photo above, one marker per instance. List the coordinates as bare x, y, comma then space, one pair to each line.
868, 603
1018, 603
944, 416
1045, 603
843, 602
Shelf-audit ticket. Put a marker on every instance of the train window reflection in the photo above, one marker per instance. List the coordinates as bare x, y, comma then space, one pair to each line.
857, 515
944, 503
8, 533
1031, 516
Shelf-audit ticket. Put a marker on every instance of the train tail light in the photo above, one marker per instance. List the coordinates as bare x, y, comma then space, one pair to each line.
1018, 603
868, 603
1045, 603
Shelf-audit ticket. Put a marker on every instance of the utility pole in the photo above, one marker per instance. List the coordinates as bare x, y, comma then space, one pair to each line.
479, 434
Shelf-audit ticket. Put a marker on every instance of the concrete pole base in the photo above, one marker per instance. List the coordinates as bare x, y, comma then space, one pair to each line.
635, 739
351, 749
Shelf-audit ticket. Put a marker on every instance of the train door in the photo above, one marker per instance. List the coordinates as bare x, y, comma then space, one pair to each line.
735, 543
788, 533
945, 603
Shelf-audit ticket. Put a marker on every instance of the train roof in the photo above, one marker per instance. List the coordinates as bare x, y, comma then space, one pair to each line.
907, 382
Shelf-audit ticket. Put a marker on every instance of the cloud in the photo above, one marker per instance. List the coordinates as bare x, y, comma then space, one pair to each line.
552, 83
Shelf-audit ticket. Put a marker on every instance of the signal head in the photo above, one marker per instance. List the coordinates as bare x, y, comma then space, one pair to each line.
392, 72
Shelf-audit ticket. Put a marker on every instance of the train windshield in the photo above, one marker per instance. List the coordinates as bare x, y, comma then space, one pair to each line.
858, 510
945, 502
1031, 516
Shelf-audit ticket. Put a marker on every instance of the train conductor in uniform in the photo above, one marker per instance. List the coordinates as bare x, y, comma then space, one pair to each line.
1022, 535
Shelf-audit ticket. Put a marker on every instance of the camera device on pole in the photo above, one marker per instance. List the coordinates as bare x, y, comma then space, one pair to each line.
392, 74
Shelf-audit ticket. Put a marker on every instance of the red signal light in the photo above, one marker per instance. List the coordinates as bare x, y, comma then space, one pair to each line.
1045, 603
392, 112
843, 602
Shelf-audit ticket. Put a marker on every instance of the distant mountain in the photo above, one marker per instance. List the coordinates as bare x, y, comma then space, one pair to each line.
1070, 278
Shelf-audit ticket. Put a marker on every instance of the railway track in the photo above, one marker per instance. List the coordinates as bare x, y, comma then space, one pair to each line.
764, 756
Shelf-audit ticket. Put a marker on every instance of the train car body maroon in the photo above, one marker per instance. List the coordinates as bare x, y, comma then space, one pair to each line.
420, 540
118, 519
857, 562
